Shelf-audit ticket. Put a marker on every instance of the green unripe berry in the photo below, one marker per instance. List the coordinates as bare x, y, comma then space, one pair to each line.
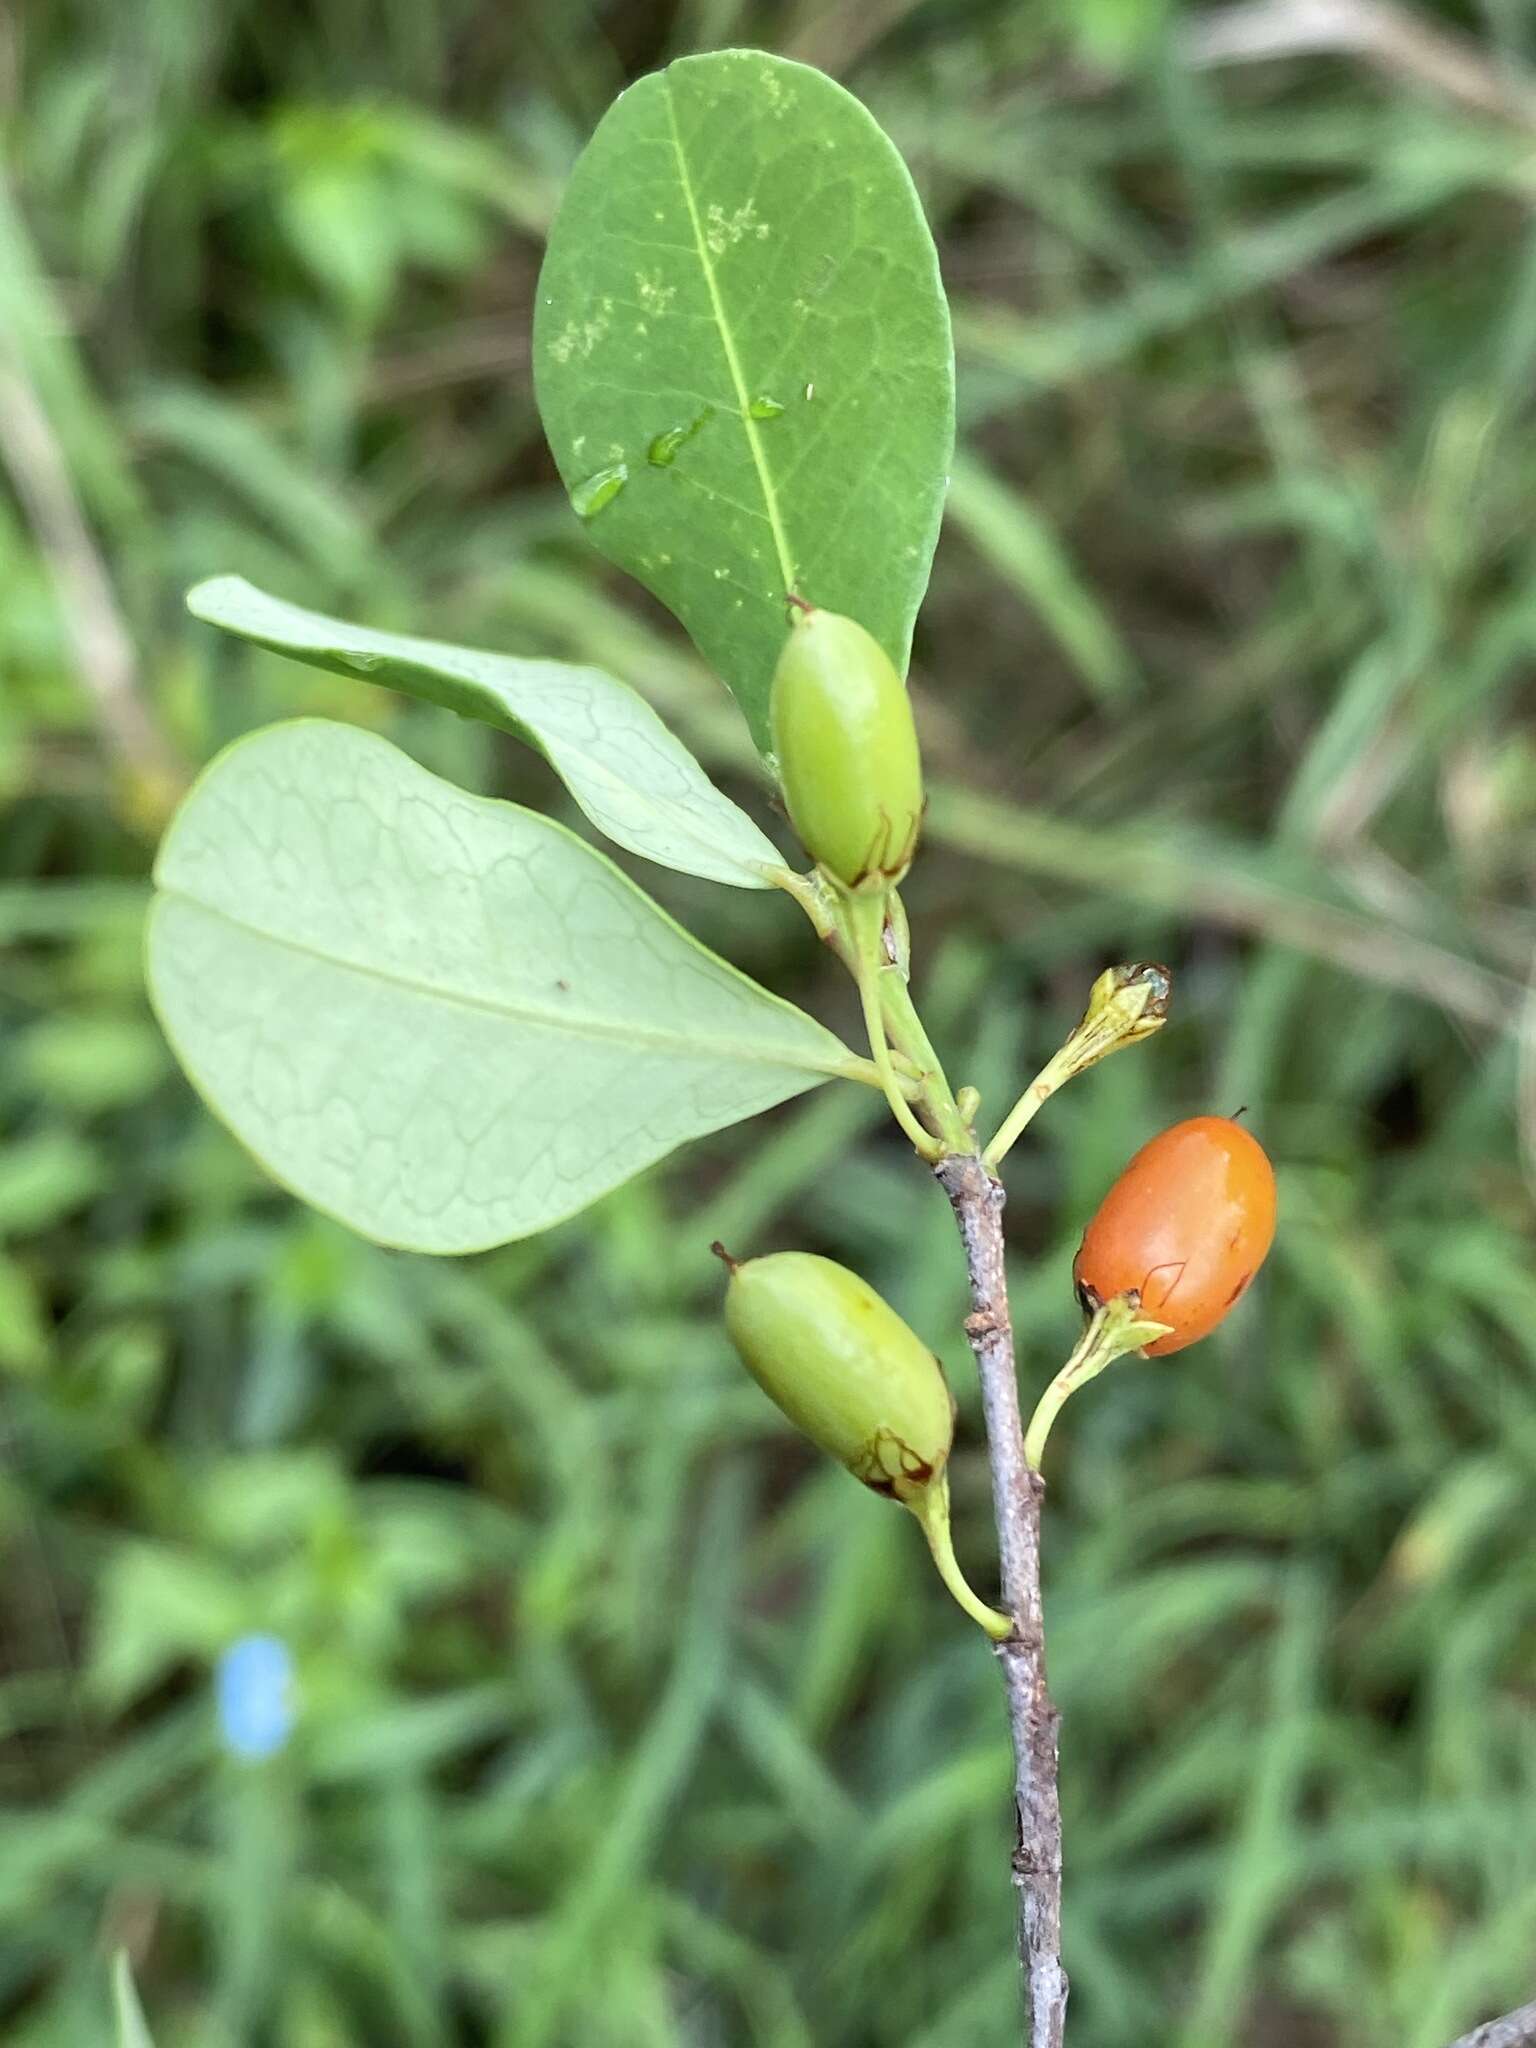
844, 1368
847, 750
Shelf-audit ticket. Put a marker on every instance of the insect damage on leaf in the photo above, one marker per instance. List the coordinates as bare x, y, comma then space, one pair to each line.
739, 230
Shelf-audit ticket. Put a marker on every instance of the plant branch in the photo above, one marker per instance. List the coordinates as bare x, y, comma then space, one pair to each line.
1017, 1494
1514, 2030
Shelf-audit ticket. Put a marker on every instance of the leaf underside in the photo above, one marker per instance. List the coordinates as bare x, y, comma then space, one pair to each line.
743, 358
442, 1019
632, 777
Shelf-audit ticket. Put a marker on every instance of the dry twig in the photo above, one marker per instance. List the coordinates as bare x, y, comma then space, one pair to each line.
1388, 37
1514, 2030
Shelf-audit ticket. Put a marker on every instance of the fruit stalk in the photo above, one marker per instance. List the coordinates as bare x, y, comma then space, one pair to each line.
1116, 1329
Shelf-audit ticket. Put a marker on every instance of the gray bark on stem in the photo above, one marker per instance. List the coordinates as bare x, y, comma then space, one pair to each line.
1017, 1497
1017, 1494
1514, 2030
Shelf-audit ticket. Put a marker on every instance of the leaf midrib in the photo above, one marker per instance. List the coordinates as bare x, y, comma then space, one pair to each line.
728, 344
526, 1013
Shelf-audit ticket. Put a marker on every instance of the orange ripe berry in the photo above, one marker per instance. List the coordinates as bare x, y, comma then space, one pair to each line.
1187, 1225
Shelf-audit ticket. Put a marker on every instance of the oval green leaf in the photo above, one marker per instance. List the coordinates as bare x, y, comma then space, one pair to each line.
444, 1020
743, 358
633, 778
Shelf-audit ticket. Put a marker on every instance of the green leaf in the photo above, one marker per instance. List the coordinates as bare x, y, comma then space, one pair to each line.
132, 2030
444, 1020
635, 780
743, 359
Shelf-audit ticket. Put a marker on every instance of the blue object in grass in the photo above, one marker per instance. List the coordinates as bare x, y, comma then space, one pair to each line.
254, 1688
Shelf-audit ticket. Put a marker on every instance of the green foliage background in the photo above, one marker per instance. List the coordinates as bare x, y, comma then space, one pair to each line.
625, 1720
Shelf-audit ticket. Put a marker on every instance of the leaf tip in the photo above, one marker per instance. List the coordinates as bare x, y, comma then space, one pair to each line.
207, 599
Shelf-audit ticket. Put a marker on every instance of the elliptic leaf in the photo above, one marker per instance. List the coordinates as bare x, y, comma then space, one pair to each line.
635, 780
444, 1020
743, 358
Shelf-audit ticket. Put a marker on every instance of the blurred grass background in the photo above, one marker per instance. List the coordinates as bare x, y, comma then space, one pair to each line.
624, 1721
